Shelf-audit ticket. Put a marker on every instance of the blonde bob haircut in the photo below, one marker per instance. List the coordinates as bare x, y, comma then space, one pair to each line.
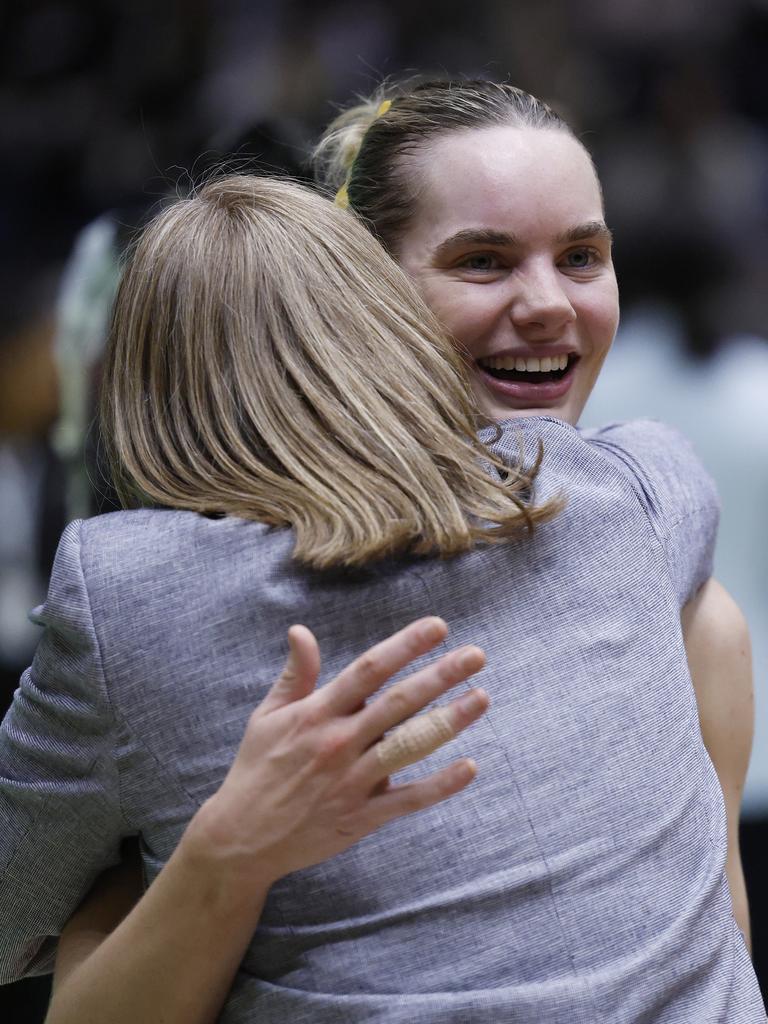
268, 360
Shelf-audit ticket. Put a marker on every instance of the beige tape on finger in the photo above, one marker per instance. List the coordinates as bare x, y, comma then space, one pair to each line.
413, 740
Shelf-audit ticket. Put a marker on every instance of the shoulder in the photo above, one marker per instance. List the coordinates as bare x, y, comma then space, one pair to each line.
677, 492
143, 527
124, 559
89, 547
655, 447
663, 464
159, 538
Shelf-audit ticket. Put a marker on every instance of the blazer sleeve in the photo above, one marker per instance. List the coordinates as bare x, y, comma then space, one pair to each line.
677, 492
60, 817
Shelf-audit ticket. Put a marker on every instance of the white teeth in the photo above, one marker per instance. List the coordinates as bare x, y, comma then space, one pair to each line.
525, 365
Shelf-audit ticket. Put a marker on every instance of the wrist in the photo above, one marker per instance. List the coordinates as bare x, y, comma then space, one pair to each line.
219, 863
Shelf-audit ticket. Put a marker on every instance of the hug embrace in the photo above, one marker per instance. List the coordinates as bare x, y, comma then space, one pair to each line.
351, 429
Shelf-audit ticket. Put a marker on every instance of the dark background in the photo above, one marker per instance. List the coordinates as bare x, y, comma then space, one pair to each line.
109, 106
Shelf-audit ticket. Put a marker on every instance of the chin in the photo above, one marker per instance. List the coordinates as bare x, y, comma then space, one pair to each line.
500, 412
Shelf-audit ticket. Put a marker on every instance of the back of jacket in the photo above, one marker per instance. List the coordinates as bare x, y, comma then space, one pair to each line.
578, 879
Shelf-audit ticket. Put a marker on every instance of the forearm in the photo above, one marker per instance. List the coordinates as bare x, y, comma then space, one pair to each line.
718, 649
172, 959
739, 896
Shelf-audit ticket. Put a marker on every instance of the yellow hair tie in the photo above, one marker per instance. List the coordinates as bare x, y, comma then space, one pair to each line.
342, 196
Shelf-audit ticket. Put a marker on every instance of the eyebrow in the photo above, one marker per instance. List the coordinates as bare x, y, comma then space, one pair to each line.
473, 236
592, 229
487, 236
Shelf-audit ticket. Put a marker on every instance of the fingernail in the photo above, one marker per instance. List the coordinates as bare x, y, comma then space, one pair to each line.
471, 660
473, 701
468, 768
434, 629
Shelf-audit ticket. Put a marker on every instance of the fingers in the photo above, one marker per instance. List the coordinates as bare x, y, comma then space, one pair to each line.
299, 677
418, 738
414, 739
417, 796
355, 684
410, 695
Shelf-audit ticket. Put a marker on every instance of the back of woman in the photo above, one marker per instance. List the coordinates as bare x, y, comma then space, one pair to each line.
579, 878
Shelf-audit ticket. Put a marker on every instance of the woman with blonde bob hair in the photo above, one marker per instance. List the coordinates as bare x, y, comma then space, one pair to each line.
304, 437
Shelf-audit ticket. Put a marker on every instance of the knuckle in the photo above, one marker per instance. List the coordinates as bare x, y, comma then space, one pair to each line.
310, 715
411, 801
330, 746
367, 665
398, 703
286, 679
443, 672
452, 667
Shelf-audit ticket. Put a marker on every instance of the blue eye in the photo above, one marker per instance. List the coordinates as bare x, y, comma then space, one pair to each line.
481, 261
582, 259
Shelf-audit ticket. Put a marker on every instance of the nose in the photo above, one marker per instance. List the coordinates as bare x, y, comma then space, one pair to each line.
540, 303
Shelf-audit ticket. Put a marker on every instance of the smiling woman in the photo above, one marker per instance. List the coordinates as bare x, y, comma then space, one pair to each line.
541, 288
517, 266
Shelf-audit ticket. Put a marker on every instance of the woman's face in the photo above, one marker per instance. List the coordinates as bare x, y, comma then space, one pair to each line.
509, 247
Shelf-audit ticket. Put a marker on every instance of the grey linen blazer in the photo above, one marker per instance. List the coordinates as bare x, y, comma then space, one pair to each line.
580, 878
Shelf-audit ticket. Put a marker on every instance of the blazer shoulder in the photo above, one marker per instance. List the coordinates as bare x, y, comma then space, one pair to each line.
142, 546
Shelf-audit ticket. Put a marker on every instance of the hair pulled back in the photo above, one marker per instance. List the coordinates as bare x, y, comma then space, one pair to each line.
268, 360
367, 151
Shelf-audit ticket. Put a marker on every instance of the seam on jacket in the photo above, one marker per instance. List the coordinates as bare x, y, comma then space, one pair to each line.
118, 720
138, 740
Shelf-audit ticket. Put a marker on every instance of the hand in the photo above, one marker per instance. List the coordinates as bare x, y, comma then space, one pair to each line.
308, 780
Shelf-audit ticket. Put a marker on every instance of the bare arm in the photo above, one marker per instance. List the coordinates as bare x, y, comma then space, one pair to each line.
718, 648
307, 783
172, 958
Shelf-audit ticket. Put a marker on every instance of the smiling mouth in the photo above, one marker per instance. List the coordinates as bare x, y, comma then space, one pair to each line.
547, 370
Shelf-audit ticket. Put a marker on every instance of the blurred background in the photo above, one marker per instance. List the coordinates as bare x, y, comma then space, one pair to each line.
107, 106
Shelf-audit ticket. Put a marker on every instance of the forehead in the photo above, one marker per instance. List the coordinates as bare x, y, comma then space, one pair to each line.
526, 181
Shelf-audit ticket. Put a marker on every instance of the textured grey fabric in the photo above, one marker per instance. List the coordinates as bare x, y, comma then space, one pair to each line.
579, 879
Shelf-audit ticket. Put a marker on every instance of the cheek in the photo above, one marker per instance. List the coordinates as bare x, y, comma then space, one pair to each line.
464, 317
600, 314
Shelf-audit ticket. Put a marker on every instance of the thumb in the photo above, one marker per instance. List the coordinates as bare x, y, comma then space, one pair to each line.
299, 676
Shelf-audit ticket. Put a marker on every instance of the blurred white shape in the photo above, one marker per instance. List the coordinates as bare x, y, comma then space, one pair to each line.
85, 301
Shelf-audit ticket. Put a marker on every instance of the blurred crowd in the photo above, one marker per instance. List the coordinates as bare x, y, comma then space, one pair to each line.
106, 106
